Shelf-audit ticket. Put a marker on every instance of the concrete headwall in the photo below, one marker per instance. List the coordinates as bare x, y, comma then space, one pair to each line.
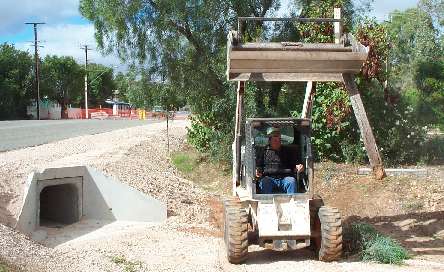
100, 198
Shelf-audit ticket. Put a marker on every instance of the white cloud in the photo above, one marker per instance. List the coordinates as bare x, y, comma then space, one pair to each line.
14, 13
67, 40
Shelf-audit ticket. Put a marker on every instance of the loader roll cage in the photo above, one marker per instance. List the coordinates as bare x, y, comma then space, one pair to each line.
295, 61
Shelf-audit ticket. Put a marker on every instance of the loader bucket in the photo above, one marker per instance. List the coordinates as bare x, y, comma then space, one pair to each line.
290, 61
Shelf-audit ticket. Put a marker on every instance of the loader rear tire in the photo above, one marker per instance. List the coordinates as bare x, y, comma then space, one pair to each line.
235, 231
315, 225
331, 234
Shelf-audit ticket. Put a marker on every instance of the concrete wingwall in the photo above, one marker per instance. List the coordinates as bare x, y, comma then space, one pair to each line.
96, 197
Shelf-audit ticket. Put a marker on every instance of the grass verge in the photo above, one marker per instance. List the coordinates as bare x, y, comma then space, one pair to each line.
377, 247
185, 162
214, 177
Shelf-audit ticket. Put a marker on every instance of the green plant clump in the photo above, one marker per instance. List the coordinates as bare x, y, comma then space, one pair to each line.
128, 266
383, 249
183, 162
377, 247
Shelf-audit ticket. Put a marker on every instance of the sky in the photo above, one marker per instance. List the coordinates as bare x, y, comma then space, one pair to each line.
66, 30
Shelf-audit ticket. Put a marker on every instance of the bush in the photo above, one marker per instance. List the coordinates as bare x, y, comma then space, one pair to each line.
398, 132
335, 133
433, 150
383, 249
377, 247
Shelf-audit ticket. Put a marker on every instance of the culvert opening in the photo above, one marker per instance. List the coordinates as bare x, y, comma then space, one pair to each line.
59, 205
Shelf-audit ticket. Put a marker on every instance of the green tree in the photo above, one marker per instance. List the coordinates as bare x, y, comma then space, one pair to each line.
100, 84
61, 80
416, 58
413, 39
136, 89
16, 81
183, 42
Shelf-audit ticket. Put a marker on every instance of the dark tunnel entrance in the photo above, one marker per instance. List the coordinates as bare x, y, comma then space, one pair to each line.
59, 205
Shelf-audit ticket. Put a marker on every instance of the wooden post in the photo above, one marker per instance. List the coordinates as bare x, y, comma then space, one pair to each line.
364, 126
308, 100
238, 136
337, 25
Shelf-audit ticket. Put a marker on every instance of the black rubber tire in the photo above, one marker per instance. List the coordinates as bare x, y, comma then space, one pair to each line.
315, 224
331, 234
235, 231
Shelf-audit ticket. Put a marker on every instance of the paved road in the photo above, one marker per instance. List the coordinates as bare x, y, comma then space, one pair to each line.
19, 134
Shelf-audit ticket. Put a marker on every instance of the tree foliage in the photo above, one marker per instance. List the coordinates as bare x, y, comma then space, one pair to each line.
61, 80
100, 84
182, 44
16, 81
416, 59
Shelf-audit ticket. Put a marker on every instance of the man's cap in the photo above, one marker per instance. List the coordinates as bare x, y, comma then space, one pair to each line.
273, 131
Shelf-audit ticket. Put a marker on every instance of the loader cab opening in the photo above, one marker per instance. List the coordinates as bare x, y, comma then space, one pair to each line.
294, 149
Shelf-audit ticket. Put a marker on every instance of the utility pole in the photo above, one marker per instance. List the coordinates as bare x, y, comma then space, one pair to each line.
37, 75
85, 47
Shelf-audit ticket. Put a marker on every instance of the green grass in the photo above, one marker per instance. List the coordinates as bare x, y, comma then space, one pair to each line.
184, 162
377, 247
128, 266
3, 268
212, 176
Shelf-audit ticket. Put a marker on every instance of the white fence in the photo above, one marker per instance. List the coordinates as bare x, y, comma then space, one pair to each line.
48, 110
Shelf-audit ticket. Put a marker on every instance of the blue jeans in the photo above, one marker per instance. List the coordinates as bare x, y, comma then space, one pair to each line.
284, 185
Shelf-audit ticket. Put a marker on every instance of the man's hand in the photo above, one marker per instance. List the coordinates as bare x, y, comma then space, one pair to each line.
258, 173
300, 168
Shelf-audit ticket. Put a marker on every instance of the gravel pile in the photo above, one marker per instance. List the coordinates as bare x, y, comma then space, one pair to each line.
147, 168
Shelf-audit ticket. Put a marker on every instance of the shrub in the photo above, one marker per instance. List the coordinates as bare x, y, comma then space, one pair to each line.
398, 132
433, 150
377, 247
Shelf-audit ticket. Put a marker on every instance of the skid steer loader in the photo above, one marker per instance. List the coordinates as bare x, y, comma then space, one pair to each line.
281, 221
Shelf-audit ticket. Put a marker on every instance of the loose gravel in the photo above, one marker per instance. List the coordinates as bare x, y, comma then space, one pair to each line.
138, 157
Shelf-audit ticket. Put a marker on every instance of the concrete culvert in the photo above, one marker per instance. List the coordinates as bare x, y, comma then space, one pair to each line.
77, 196
59, 204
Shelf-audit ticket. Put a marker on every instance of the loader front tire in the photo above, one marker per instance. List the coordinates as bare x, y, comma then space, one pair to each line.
331, 234
235, 231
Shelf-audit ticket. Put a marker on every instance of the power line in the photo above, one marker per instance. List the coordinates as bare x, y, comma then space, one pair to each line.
37, 73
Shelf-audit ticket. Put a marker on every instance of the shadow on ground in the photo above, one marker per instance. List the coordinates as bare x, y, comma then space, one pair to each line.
421, 233
264, 256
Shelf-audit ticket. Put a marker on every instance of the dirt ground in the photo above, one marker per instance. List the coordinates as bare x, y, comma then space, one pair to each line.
408, 209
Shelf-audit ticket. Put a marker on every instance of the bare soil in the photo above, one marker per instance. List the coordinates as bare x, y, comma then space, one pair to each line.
409, 209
